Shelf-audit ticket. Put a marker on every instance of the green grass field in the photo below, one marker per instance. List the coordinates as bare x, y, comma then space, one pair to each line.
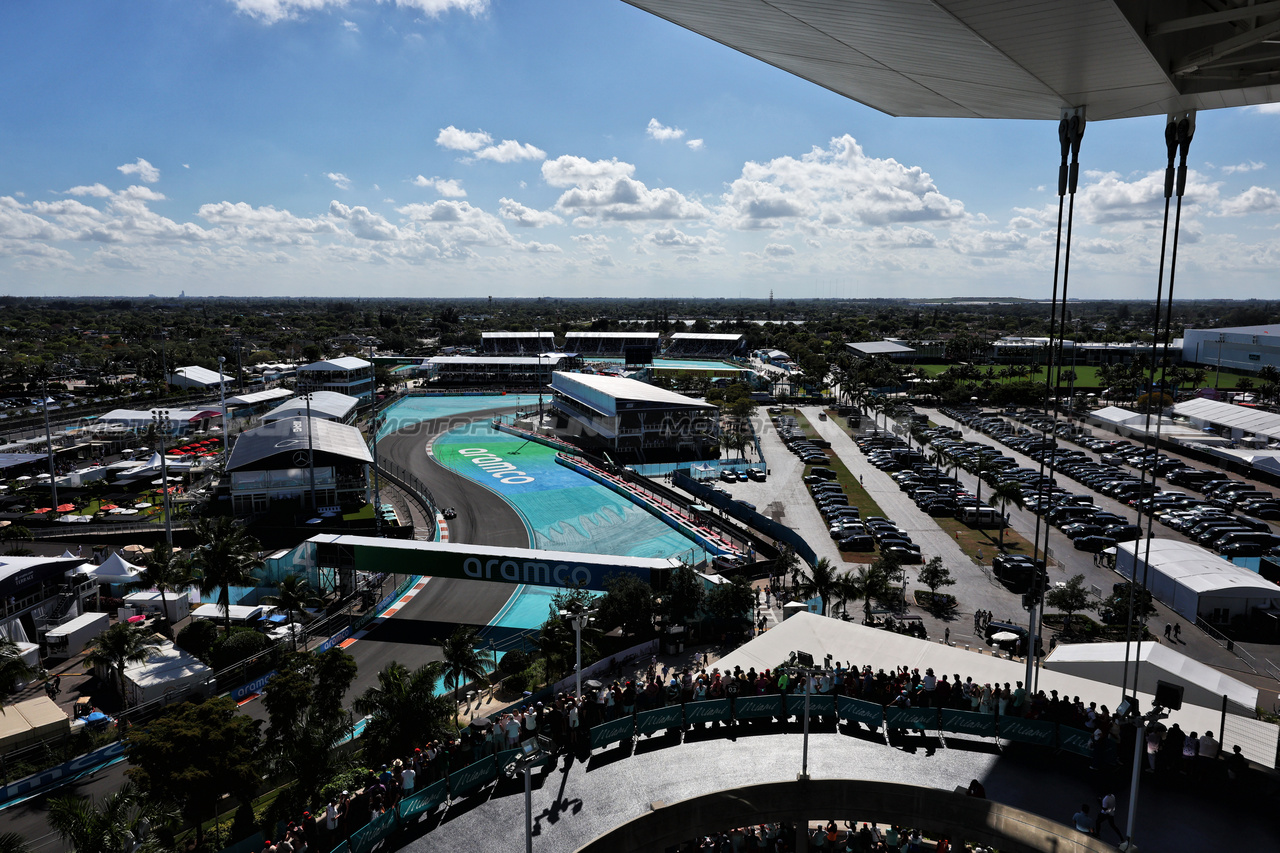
1087, 377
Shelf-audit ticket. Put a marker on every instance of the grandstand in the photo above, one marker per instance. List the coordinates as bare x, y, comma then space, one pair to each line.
702, 345
608, 344
517, 343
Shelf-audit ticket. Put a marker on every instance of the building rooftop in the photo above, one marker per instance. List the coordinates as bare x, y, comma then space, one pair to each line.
259, 397
349, 362
1198, 568
705, 336
324, 404
623, 390
198, 375
1244, 418
254, 447
879, 348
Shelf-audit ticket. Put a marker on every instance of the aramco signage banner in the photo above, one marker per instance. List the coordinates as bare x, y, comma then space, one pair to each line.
475, 562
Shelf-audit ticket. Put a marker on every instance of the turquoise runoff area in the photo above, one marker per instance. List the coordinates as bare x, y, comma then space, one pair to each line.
562, 509
678, 363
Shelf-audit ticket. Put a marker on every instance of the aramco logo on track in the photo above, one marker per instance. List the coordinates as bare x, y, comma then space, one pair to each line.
495, 466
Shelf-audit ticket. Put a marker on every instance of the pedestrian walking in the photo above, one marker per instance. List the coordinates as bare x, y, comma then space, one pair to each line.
946, 636
1177, 631
1168, 630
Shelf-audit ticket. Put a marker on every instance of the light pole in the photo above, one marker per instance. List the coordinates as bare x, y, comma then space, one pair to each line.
226, 428
48, 442
377, 491
161, 422
531, 756
311, 452
1141, 723
579, 619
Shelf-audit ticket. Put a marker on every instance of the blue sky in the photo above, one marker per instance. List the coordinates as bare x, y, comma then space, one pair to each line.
576, 147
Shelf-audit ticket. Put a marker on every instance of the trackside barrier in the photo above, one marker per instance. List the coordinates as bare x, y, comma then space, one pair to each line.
617, 730
423, 801
472, 776
252, 844
341, 848
659, 719
363, 840
870, 714
751, 518
819, 705
708, 711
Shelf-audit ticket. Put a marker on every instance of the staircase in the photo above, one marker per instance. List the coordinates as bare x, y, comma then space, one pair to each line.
64, 603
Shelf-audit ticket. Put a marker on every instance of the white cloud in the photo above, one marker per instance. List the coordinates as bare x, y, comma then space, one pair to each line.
779, 250
144, 170
447, 187
1251, 166
95, 190
526, 217
481, 145
1252, 200
679, 241
834, 185
186, 165
363, 223
605, 190
1266, 109
659, 131
695, 144
1108, 199
510, 151
351, 26
274, 11
340, 180
569, 171
462, 140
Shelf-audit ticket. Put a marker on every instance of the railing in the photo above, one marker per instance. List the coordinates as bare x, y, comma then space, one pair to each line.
460, 782
71, 531
415, 488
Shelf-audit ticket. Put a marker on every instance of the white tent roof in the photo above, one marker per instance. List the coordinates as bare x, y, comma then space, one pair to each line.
238, 612
1116, 415
115, 569
1196, 568
1203, 684
1243, 418
348, 362
858, 644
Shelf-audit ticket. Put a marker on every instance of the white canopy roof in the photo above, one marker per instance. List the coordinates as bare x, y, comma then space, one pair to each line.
1203, 684
1196, 568
238, 612
858, 644
115, 569
1230, 415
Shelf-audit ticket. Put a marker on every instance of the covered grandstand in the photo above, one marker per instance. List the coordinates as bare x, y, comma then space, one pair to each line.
517, 343
325, 405
704, 345
609, 344
632, 420
497, 371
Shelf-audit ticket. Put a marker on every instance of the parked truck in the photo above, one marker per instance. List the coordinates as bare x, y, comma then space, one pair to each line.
71, 638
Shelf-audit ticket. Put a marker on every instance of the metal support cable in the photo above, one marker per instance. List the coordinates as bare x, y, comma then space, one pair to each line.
1070, 134
1178, 132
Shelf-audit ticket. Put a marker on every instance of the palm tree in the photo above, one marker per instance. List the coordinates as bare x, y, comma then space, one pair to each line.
225, 558
12, 842
462, 663
1007, 493
869, 582
822, 576
166, 571
120, 823
12, 667
404, 710
116, 648
293, 594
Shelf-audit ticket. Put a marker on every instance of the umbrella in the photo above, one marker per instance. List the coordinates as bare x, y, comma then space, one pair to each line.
133, 549
1005, 637
5, 523
313, 521
128, 512
159, 482
593, 684
24, 478
66, 507
43, 509
142, 505
96, 717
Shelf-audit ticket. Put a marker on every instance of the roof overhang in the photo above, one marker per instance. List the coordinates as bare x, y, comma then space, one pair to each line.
1010, 59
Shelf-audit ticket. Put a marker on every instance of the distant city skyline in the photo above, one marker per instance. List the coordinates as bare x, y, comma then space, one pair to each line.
449, 148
